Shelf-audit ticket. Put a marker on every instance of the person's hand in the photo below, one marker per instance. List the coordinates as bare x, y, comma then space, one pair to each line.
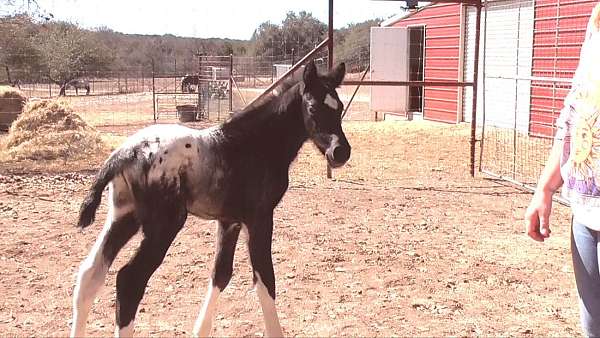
537, 216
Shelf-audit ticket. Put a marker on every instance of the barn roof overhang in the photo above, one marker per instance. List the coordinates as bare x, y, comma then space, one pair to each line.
399, 17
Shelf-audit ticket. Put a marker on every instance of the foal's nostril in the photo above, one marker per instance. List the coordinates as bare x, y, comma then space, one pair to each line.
341, 154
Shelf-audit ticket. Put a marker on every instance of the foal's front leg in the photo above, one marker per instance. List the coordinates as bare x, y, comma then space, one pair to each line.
260, 234
227, 237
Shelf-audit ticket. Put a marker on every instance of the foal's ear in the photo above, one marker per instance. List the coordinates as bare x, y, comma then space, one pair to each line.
337, 74
310, 74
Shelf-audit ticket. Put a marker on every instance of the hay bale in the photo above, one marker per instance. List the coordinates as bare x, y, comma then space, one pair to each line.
50, 130
12, 101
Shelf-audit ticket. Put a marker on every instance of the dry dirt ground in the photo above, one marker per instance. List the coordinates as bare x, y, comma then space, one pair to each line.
402, 242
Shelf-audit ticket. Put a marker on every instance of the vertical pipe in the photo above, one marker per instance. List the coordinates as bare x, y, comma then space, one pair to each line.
475, 81
230, 83
199, 102
330, 36
293, 56
330, 58
153, 93
481, 144
514, 157
175, 74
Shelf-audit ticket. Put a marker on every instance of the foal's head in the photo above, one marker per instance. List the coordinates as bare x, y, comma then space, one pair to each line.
322, 112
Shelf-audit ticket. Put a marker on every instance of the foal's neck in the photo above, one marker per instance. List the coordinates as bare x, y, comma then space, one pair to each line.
273, 129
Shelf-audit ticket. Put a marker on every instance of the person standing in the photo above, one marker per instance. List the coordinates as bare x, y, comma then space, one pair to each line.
574, 164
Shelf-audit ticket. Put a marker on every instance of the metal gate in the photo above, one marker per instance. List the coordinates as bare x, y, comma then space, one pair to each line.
214, 86
530, 51
205, 94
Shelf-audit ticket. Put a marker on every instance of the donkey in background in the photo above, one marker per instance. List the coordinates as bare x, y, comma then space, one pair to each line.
236, 173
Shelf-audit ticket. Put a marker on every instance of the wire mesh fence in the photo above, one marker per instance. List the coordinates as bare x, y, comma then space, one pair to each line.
531, 50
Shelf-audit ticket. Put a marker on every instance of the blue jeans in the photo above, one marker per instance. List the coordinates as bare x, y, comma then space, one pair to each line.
584, 250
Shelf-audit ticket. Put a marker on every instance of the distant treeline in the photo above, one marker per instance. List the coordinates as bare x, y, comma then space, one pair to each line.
60, 51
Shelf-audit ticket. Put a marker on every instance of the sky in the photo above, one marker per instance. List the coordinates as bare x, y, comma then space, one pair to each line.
208, 18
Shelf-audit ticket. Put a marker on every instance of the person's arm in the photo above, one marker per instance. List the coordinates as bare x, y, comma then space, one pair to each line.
537, 216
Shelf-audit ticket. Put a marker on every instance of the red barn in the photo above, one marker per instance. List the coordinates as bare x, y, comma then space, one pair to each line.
531, 52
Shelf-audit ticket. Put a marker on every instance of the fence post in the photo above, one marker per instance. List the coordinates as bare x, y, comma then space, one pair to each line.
475, 79
330, 59
153, 93
230, 83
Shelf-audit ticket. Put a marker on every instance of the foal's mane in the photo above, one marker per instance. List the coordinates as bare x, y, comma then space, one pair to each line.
268, 116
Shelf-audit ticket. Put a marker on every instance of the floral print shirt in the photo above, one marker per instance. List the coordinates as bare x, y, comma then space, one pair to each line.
579, 128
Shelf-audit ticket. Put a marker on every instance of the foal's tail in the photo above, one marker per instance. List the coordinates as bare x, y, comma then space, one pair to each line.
115, 164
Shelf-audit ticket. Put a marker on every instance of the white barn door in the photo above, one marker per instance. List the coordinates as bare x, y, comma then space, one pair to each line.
389, 62
508, 58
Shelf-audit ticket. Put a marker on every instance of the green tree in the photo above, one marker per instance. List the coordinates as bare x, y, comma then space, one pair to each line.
18, 54
266, 40
301, 32
66, 52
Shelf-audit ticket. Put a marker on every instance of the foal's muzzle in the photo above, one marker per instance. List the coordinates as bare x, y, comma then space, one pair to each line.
338, 154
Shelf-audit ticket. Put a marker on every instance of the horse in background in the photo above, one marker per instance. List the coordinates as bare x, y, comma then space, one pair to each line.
75, 84
188, 82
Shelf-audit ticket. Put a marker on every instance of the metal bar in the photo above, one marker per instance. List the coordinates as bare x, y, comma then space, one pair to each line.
200, 102
356, 91
467, 2
153, 93
514, 164
410, 83
230, 83
330, 58
566, 3
484, 77
475, 79
291, 70
532, 78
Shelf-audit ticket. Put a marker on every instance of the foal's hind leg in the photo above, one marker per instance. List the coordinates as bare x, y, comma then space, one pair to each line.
227, 237
132, 279
120, 226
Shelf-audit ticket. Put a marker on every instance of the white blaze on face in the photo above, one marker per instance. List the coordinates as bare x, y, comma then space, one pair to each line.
331, 102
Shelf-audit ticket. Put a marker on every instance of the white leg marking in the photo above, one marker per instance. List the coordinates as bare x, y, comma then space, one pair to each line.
126, 331
91, 276
203, 324
272, 326
92, 272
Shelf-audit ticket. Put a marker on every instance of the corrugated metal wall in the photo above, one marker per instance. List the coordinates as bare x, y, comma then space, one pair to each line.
508, 53
559, 29
442, 42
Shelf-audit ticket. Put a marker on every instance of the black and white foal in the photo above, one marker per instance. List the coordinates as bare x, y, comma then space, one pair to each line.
235, 173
